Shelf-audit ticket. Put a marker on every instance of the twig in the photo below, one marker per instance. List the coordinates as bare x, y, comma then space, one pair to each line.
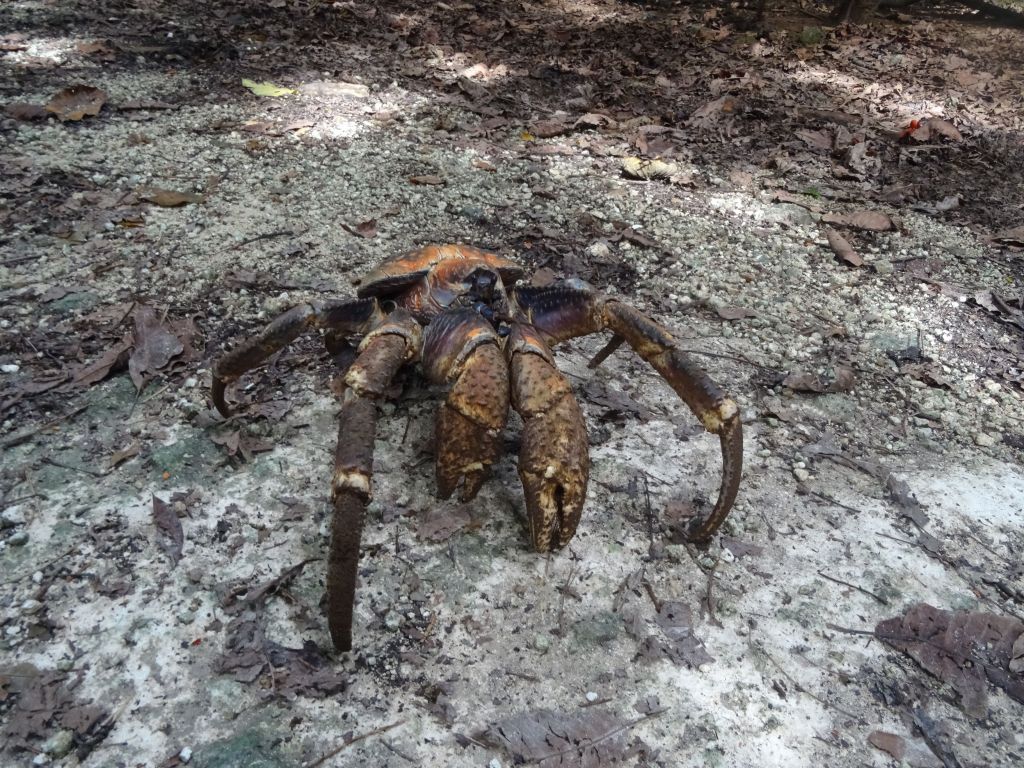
764, 651
264, 236
830, 500
931, 737
863, 591
708, 598
604, 737
21, 437
397, 751
72, 467
594, 703
522, 676
349, 742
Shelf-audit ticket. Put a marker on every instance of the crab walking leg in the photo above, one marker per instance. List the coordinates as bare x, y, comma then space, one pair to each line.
561, 313
386, 349
554, 460
339, 317
462, 347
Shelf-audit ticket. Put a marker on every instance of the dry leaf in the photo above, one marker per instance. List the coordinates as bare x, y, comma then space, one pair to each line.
546, 129
155, 345
77, 101
933, 127
961, 649
483, 165
442, 521
895, 745
167, 198
367, 229
638, 168
588, 739
735, 313
843, 249
119, 457
21, 111
113, 359
594, 120
875, 221
170, 536
428, 180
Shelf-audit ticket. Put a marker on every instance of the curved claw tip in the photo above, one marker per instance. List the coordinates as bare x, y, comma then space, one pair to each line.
217, 390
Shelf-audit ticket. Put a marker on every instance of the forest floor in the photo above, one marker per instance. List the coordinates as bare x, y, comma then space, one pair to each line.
854, 279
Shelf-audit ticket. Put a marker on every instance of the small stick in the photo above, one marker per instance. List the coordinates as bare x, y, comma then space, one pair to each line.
264, 236
879, 598
708, 598
349, 742
927, 727
522, 676
397, 751
764, 651
831, 500
21, 437
62, 465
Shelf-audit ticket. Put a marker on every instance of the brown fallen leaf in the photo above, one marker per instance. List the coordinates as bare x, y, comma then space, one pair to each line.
442, 522
735, 313
894, 745
170, 536
428, 180
842, 248
115, 358
155, 345
934, 127
21, 111
594, 120
710, 111
167, 198
590, 738
874, 221
1013, 236
843, 381
121, 456
483, 165
816, 139
76, 102
963, 649
367, 229
546, 129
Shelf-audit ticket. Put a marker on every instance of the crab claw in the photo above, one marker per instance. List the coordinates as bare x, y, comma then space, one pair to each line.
463, 348
553, 461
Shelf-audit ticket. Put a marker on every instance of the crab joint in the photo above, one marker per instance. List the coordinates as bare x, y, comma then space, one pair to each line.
351, 480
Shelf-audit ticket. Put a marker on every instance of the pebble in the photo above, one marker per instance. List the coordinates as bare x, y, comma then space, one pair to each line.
19, 539
10, 368
801, 474
980, 438
59, 744
31, 606
495, 763
541, 643
592, 696
11, 517
185, 755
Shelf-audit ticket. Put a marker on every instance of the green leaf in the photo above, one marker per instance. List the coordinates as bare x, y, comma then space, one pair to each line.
267, 89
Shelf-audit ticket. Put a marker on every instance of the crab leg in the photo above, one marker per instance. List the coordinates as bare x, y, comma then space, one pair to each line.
338, 317
462, 347
561, 313
553, 461
384, 350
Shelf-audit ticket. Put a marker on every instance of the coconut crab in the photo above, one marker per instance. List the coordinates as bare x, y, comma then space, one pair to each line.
457, 310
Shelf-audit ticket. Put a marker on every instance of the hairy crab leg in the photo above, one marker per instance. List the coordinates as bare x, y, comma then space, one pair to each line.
339, 317
462, 347
382, 353
554, 461
562, 312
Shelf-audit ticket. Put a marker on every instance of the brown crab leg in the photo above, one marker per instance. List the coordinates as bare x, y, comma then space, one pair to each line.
338, 317
561, 313
386, 349
462, 347
554, 460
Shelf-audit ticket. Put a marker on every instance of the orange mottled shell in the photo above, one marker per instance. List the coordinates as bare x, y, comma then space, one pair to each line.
398, 273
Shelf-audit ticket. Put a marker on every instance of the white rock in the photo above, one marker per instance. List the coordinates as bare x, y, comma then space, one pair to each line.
10, 368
